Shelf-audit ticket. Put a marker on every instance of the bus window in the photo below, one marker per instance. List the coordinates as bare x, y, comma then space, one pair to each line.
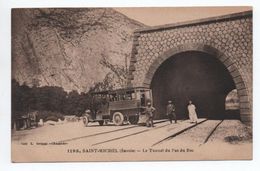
123, 97
130, 95
142, 99
138, 95
147, 95
120, 97
113, 97
104, 100
133, 95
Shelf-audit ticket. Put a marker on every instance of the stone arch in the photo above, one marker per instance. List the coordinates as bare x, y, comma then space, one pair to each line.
244, 104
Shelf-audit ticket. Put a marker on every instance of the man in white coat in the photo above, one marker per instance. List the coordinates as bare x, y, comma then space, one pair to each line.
192, 112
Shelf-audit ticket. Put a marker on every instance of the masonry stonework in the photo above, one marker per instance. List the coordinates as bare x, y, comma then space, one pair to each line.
228, 38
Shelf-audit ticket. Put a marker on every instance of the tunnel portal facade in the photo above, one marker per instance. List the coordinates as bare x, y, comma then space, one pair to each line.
201, 60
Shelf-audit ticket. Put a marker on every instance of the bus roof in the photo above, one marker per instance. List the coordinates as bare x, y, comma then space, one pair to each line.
120, 90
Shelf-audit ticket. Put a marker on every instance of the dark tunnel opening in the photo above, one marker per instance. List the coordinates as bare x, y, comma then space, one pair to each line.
195, 76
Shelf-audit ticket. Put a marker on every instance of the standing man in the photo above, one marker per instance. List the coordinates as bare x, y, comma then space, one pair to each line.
149, 110
192, 113
170, 111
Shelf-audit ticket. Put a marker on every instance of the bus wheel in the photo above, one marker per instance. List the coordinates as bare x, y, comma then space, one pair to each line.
133, 119
85, 121
101, 123
118, 118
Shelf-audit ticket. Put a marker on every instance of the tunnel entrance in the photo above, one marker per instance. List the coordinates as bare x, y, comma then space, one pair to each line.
196, 76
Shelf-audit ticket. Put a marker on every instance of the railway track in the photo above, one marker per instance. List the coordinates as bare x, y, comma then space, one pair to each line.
128, 135
188, 131
107, 132
133, 133
110, 136
211, 132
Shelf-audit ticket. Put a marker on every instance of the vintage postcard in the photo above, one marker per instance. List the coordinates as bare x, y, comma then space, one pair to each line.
131, 84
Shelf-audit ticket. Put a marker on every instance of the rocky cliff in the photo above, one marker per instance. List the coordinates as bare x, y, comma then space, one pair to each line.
70, 48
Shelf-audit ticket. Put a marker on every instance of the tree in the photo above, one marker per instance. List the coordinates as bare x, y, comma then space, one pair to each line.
118, 74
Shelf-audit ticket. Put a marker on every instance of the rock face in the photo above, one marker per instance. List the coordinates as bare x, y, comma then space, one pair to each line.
66, 47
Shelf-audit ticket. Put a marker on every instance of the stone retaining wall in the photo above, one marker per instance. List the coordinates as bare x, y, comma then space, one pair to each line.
229, 38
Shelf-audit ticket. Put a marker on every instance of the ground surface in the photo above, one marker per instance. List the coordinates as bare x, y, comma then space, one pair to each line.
209, 139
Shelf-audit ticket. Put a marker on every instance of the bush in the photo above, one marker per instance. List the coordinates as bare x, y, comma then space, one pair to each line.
51, 118
49, 115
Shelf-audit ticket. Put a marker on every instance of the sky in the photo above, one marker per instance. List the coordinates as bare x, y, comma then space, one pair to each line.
159, 16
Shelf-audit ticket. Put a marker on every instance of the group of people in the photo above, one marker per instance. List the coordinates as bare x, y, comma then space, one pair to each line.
27, 121
170, 112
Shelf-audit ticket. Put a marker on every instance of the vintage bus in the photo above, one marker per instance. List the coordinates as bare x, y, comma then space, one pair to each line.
118, 106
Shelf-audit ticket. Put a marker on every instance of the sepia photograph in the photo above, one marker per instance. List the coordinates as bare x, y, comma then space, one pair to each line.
131, 84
